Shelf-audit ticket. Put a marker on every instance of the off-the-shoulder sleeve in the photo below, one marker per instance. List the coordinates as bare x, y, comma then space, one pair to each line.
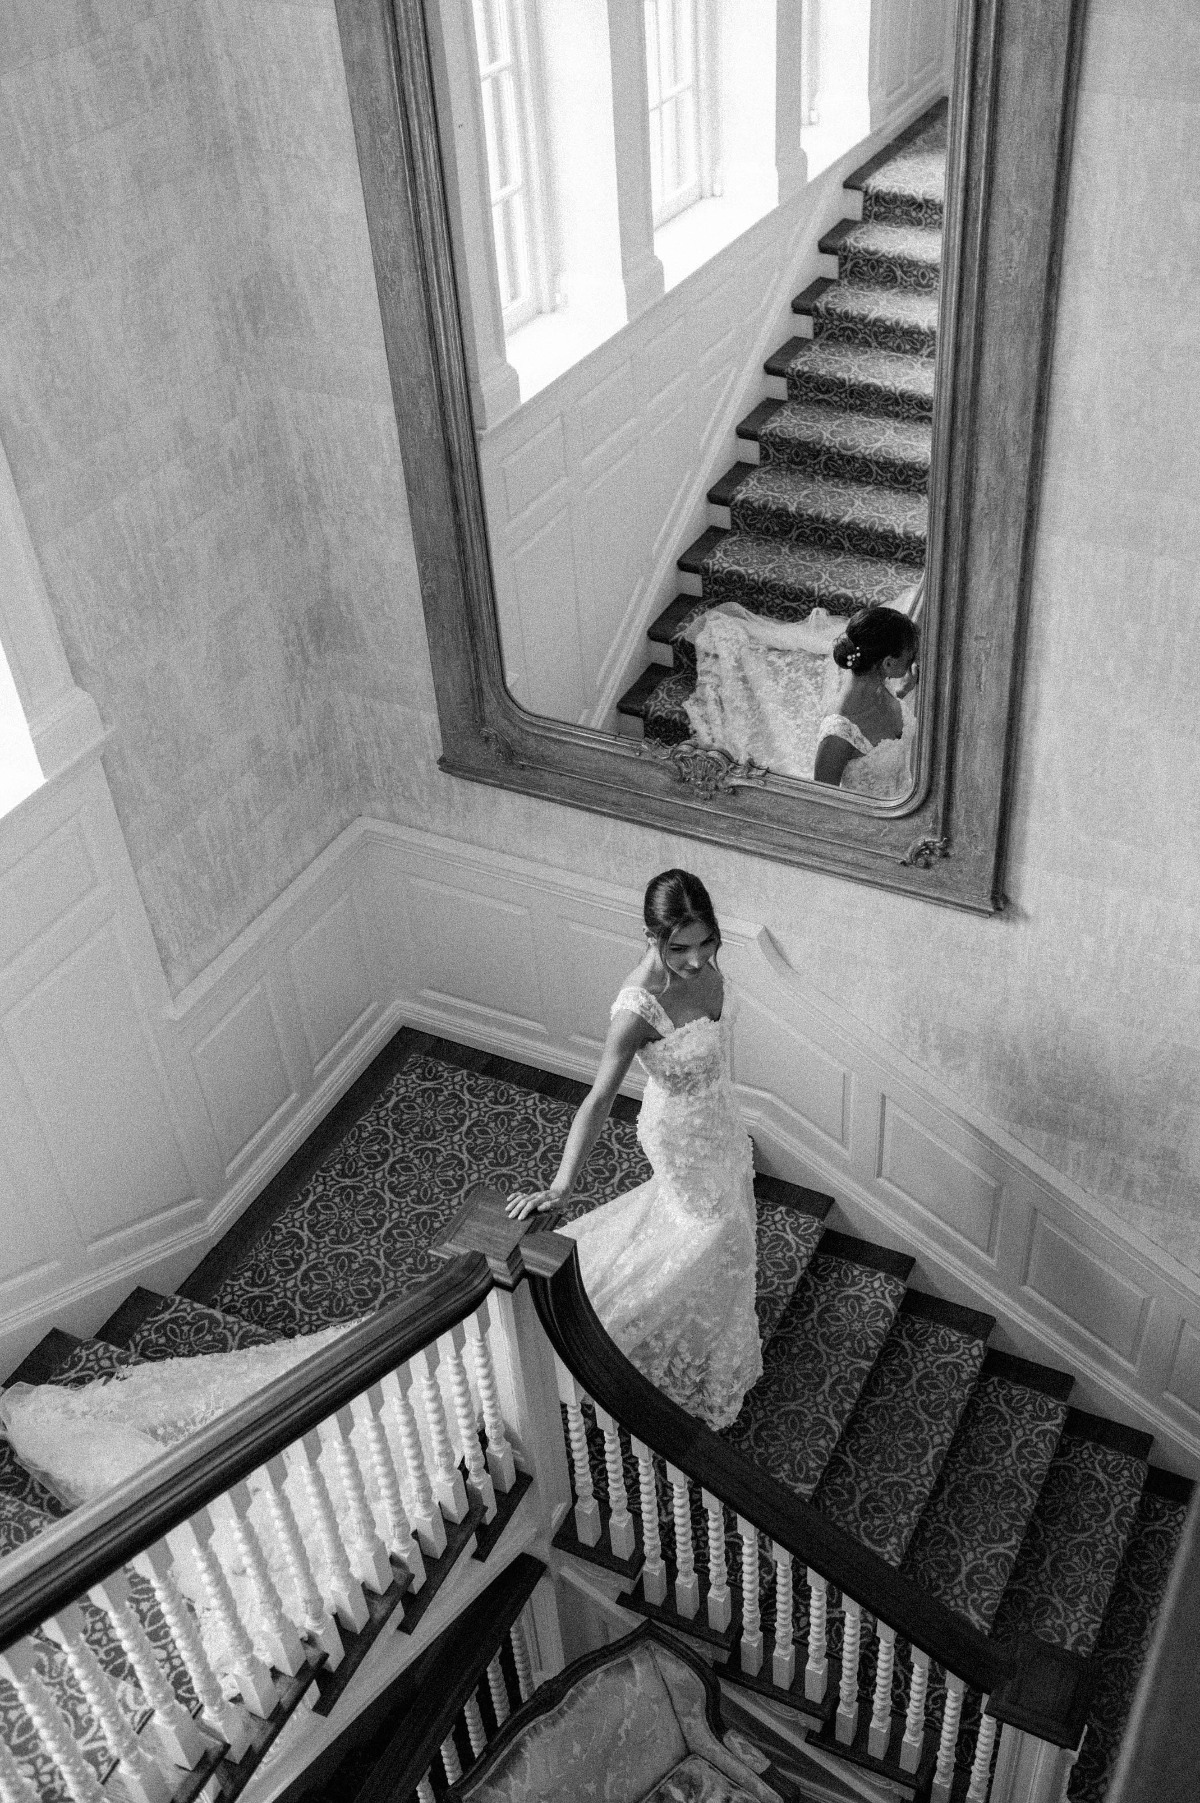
633, 1000
836, 726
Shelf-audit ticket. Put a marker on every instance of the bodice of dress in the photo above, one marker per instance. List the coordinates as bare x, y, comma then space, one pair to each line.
687, 1060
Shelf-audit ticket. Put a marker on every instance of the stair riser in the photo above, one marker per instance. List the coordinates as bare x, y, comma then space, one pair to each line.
835, 535
873, 334
902, 209
893, 271
831, 464
856, 396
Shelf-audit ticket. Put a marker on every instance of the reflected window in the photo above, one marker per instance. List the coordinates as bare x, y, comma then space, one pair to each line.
507, 114
672, 81
20, 771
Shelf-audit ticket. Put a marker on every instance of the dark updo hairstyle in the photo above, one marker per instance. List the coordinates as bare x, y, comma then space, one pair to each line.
675, 898
872, 634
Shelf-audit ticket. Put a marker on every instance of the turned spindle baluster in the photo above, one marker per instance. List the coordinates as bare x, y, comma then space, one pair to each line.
228, 1721
751, 1651
451, 1763
392, 1520
54, 1731
881, 1702
847, 1711
425, 1790
981, 1765
498, 1690
654, 1568
500, 1459
446, 1478
620, 1521
14, 1786
141, 1777
783, 1658
423, 1513
365, 1550
247, 1670
914, 1721
687, 1582
720, 1602
177, 1733
587, 1509
479, 1483
816, 1671
312, 1617
476, 1732
520, 1653
339, 1586
943, 1777
275, 1637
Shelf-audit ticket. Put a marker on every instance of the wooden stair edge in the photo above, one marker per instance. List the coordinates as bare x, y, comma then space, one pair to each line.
859, 176
42, 1361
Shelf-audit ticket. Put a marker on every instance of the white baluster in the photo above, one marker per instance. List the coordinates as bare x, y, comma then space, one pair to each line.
341, 1589
451, 1764
943, 1777
140, 1776
720, 1601
392, 1521
816, 1672
479, 1483
14, 1786
981, 1765
847, 1712
424, 1514
654, 1569
520, 1652
312, 1617
446, 1478
177, 1733
247, 1670
53, 1729
914, 1721
751, 1652
365, 1550
476, 1732
500, 1459
229, 1721
687, 1581
425, 1790
620, 1521
498, 1690
587, 1509
783, 1660
275, 1637
881, 1702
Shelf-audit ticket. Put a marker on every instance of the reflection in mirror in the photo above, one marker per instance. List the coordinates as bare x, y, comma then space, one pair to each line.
698, 248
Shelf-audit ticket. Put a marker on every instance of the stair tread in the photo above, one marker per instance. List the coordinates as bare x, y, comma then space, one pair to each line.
933, 117
675, 616
786, 578
1125, 1635
882, 239
810, 423
18, 1483
816, 1365
909, 183
883, 1469
786, 1240
20, 1520
775, 500
634, 700
64, 1358
1072, 1550
159, 1327
966, 1542
899, 306
874, 378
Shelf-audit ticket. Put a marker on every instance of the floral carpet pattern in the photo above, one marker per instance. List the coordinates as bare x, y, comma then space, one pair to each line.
843, 463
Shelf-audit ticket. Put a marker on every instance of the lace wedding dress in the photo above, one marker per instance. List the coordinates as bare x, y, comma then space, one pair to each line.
670, 1267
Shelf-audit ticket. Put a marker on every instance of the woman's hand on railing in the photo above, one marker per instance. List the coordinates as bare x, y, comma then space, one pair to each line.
534, 1202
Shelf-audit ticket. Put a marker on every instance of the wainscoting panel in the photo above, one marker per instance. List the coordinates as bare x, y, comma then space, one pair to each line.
242, 1073
935, 1178
1064, 1274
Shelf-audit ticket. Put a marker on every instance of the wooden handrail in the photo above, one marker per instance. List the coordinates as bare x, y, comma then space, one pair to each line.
67, 1558
1030, 1685
1160, 1755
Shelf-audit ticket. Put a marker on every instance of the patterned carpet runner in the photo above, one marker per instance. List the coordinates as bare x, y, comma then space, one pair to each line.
964, 1467
834, 513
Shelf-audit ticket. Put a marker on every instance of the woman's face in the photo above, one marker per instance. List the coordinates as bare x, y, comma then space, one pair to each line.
689, 950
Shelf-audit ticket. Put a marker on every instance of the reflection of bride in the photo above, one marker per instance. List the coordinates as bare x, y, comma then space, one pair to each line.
670, 1267
770, 693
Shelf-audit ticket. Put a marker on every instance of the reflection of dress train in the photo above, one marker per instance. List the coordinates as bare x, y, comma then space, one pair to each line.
764, 690
670, 1267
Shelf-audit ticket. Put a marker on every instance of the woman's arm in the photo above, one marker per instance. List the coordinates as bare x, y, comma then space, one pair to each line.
627, 1033
833, 754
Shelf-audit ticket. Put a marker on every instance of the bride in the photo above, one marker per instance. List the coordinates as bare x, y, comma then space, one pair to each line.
670, 1267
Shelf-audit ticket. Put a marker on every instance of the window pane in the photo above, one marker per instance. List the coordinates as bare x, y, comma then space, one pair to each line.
653, 79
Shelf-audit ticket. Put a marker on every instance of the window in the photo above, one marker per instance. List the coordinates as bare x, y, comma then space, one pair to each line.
504, 77
671, 80
20, 771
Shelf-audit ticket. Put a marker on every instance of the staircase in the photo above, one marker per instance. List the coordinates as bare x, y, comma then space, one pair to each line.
828, 506
963, 1467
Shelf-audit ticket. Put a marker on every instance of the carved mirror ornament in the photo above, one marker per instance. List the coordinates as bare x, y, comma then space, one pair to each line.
1010, 130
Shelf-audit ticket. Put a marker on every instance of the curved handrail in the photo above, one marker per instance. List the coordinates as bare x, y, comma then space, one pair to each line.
574, 1329
66, 1559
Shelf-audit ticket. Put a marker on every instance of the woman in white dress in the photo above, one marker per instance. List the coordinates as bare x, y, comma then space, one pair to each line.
864, 742
670, 1267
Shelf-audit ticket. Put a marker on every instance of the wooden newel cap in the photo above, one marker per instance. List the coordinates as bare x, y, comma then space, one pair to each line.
481, 1225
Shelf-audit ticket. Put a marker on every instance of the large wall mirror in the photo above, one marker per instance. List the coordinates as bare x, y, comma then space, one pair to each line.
718, 334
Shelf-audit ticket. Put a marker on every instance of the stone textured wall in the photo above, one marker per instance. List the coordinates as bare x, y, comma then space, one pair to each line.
194, 400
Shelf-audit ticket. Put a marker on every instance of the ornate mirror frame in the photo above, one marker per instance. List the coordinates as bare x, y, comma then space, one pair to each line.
1010, 133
